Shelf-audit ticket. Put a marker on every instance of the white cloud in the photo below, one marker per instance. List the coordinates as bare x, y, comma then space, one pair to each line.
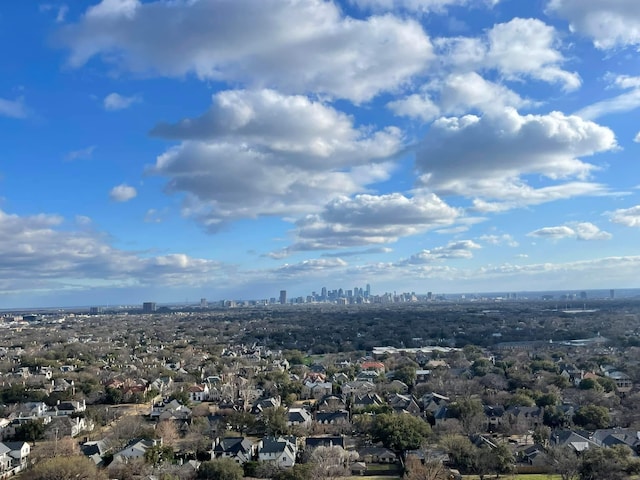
13, 108
423, 6
258, 153
496, 240
622, 103
487, 156
415, 106
310, 267
38, 253
371, 219
460, 249
115, 101
518, 49
637, 138
610, 24
82, 154
629, 217
295, 130
578, 230
297, 47
122, 193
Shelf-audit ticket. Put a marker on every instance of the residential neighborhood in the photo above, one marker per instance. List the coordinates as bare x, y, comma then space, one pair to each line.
180, 393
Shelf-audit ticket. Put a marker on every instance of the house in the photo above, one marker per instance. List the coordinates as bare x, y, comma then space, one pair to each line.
494, 414
339, 417
5, 458
376, 455
433, 401
368, 400
331, 403
68, 426
135, 449
238, 449
14, 457
358, 387
95, 450
199, 393
316, 389
281, 451
575, 440
404, 404
374, 366
314, 442
70, 407
264, 403
617, 436
530, 417
299, 416
173, 410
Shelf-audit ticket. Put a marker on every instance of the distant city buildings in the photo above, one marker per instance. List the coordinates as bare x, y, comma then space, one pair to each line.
283, 297
149, 307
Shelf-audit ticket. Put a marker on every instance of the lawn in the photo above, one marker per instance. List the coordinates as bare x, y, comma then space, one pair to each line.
527, 476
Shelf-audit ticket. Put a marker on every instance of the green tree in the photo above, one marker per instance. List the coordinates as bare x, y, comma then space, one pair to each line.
158, 455
400, 432
30, 431
275, 421
609, 463
592, 417
406, 374
590, 384
222, 469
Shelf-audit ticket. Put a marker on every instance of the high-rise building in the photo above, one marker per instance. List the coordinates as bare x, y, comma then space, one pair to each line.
283, 297
368, 290
148, 307
203, 303
612, 293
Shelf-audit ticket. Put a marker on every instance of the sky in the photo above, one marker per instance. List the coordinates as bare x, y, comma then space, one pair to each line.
170, 150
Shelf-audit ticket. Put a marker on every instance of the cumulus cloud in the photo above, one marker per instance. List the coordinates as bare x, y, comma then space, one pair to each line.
460, 249
258, 153
13, 108
292, 46
371, 219
487, 156
122, 193
38, 253
115, 101
629, 217
502, 49
608, 24
293, 129
577, 230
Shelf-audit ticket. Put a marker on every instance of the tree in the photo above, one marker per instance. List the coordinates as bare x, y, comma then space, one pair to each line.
330, 462
221, 469
30, 431
564, 462
167, 431
158, 454
470, 412
590, 384
65, 468
429, 470
406, 374
275, 421
609, 463
400, 432
592, 417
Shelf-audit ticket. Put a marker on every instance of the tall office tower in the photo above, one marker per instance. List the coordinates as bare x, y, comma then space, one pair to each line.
148, 307
203, 303
429, 295
283, 297
368, 290
612, 293
324, 293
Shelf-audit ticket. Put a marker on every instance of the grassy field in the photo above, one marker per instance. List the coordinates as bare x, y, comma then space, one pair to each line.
528, 476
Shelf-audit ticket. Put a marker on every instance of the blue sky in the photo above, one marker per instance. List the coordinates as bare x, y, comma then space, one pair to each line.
171, 150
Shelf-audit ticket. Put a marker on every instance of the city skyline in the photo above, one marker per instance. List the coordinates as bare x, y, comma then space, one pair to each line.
231, 149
